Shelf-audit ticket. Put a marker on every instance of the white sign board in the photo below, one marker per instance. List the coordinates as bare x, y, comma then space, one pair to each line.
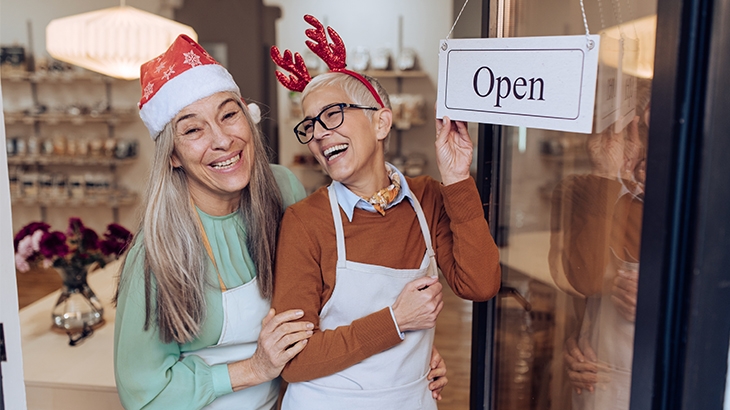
616, 91
534, 82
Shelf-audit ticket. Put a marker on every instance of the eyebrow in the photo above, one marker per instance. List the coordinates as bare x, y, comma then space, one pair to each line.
328, 106
221, 105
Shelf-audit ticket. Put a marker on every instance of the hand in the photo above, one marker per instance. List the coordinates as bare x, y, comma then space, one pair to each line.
279, 341
623, 293
582, 371
606, 153
437, 374
454, 150
418, 304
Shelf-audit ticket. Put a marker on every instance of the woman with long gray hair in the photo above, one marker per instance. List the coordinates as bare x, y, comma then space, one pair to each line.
193, 325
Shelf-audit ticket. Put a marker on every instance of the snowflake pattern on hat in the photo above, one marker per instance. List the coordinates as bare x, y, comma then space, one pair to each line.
180, 76
184, 52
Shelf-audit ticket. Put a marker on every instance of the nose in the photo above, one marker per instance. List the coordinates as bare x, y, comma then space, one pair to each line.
319, 131
220, 138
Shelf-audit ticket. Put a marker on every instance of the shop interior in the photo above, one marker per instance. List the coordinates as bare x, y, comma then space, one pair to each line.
77, 148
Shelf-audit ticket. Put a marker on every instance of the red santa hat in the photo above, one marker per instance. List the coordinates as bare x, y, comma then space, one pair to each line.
183, 74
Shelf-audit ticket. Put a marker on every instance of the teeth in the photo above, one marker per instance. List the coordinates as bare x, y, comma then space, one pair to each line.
331, 152
227, 163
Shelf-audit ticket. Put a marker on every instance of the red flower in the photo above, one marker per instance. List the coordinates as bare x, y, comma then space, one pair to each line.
53, 244
75, 226
117, 238
89, 239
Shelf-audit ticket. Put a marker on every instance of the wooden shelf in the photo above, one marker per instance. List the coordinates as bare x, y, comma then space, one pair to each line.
113, 117
395, 74
113, 200
64, 160
55, 77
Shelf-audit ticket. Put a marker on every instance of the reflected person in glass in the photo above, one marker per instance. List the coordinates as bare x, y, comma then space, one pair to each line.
594, 256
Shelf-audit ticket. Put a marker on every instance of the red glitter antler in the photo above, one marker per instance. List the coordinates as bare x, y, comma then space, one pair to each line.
299, 77
333, 54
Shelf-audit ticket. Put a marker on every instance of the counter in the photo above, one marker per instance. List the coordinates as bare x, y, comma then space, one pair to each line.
63, 377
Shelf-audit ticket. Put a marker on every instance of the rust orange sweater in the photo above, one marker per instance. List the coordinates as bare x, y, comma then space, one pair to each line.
307, 257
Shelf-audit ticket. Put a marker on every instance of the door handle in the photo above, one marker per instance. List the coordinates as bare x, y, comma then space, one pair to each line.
510, 291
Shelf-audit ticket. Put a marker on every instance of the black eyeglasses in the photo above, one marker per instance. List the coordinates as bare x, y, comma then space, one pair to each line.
331, 117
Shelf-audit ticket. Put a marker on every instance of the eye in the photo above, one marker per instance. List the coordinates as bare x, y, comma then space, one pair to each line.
307, 126
229, 115
191, 131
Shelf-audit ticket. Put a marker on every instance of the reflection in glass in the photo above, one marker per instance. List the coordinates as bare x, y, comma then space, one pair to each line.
570, 213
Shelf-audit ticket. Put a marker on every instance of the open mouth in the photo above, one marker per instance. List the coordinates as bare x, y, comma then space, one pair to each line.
334, 151
227, 163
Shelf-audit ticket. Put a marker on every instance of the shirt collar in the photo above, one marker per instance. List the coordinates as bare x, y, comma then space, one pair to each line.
348, 200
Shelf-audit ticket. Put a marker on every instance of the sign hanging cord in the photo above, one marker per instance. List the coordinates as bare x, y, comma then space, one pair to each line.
589, 43
457, 19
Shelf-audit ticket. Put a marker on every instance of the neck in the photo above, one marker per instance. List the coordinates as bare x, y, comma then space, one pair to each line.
215, 206
376, 180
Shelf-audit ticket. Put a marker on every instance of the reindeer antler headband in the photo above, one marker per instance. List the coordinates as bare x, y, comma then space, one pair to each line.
333, 55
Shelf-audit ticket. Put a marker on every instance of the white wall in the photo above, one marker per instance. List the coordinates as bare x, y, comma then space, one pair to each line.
371, 24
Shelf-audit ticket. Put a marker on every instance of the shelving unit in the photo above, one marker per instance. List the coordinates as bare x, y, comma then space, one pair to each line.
41, 118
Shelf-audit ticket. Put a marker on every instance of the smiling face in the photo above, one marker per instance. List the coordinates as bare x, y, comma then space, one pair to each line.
353, 152
214, 146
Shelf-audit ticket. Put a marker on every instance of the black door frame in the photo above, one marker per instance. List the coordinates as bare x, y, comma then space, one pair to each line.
682, 325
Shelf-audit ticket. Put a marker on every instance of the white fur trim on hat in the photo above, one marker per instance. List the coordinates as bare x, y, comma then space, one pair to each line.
179, 92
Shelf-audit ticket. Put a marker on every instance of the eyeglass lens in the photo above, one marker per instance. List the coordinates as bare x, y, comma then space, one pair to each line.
330, 118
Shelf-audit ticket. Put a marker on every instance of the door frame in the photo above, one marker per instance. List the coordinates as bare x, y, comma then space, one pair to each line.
682, 331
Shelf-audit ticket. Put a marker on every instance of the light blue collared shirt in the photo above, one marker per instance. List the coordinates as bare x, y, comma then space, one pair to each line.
348, 200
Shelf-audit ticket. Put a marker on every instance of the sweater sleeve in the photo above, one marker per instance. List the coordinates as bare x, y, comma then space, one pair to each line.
298, 284
150, 374
465, 250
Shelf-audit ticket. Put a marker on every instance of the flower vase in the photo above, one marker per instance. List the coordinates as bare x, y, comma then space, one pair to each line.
77, 307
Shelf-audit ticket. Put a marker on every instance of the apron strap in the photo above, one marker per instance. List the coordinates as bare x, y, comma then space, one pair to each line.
208, 249
424, 226
340, 232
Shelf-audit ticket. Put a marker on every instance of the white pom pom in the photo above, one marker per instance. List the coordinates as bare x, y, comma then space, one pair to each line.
255, 112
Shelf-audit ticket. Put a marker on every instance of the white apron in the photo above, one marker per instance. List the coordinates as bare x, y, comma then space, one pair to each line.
612, 338
243, 311
391, 380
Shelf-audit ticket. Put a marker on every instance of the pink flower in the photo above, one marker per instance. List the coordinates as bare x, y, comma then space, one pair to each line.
21, 264
25, 247
36, 238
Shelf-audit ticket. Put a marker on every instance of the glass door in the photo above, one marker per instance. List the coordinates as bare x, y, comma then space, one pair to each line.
568, 214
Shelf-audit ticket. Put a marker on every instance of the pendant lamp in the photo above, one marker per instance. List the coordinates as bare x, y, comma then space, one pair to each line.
114, 41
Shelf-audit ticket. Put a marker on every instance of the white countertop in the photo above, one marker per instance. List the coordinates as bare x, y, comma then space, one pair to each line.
53, 369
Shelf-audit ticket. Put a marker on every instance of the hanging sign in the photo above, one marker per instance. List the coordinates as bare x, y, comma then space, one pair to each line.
616, 91
534, 82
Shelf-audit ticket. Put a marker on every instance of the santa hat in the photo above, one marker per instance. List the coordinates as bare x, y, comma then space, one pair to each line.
183, 74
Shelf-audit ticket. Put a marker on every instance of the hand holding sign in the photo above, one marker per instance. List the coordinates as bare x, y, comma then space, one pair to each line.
453, 150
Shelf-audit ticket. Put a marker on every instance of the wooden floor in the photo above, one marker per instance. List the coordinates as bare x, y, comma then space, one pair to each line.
453, 341
453, 332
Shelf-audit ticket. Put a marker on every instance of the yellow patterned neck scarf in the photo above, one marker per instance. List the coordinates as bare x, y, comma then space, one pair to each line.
382, 198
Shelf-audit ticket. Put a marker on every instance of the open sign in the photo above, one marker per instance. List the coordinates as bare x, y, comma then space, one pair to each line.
535, 82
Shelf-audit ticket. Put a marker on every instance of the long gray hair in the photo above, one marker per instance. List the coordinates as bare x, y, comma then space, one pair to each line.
174, 253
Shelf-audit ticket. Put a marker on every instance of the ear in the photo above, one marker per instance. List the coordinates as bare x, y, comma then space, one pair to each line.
175, 161
383, 121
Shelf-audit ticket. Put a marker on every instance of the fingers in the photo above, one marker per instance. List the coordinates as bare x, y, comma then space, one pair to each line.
422, 283
436, 360
436, 386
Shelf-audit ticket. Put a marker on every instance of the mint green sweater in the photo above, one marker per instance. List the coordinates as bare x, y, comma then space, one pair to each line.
150, 374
